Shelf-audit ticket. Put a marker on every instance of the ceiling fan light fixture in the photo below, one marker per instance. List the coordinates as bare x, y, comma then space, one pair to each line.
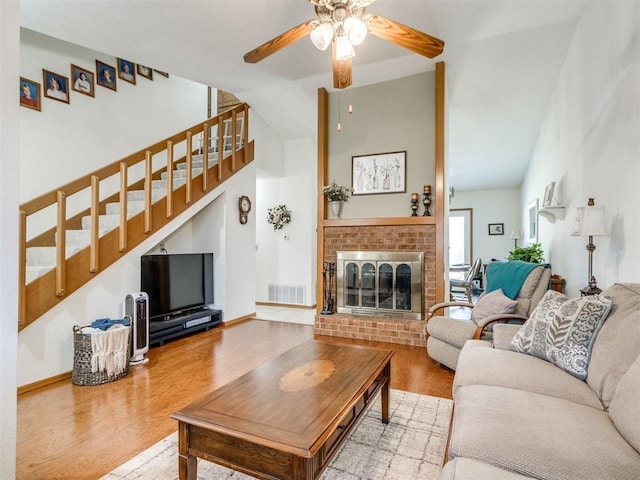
344, 49
356, 30
321, 36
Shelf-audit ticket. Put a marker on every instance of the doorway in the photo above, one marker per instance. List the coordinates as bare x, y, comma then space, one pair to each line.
460, 241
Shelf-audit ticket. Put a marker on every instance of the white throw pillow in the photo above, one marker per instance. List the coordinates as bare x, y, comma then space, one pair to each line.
562, 330
493, 303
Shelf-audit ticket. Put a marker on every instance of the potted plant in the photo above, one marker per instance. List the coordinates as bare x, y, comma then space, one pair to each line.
533, 254
336, 195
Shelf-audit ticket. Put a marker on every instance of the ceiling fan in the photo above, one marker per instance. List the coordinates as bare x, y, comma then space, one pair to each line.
343, 24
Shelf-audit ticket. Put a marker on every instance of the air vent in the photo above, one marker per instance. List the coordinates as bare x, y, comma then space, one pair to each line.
294, 294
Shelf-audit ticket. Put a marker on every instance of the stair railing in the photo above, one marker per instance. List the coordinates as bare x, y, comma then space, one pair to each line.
112, 183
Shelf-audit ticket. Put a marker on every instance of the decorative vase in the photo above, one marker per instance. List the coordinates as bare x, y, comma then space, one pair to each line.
335, 209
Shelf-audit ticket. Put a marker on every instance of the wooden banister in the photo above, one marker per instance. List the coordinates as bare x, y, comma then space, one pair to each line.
95, 223
148, 191
69, 274
169, 211
122, 230
61, 246
189, 161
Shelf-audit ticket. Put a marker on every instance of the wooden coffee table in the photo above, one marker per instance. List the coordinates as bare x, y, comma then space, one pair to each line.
286, 418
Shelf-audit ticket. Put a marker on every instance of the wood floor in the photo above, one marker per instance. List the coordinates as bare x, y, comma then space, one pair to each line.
72, 432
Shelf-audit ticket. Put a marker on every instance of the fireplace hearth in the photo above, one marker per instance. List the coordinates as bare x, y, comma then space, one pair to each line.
384, 284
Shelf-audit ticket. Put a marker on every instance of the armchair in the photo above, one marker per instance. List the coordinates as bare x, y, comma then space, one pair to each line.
447, 335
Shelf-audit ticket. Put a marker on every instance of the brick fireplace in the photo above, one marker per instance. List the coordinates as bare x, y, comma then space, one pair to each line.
387, 238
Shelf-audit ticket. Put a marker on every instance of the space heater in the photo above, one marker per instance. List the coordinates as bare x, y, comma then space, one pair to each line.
136, 310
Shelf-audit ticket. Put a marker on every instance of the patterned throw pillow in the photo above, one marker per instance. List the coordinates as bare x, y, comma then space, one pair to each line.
562, 330
493, 303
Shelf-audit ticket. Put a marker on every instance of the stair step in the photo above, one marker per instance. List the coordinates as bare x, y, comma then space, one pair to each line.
46, 256
197, 162
106, 223
34, 272
212, 157
134, 207
156, 194
162, 184
182, 173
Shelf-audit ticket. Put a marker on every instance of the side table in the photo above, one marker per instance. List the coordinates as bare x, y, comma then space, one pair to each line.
557, 283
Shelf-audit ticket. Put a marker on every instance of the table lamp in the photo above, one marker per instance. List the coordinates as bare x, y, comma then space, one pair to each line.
590, 223
515, 236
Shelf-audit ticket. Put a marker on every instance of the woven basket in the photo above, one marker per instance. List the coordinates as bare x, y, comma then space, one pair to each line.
82, 354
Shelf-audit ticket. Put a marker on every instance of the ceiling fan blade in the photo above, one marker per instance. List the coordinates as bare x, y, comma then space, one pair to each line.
341, 69
405, 36
279, 42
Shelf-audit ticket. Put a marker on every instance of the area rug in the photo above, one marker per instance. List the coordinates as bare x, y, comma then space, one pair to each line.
410, 446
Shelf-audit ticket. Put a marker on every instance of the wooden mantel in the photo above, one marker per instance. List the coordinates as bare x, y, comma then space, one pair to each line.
438, 219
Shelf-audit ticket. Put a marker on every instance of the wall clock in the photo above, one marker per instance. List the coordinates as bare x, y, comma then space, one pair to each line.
244, 207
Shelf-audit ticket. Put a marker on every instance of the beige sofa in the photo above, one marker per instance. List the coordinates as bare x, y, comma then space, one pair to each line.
518, 416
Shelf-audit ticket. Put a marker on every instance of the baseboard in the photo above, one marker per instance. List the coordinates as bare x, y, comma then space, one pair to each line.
286, 305
44, 382
244, 318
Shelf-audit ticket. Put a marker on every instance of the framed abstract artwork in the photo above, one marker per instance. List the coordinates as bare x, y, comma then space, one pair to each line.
379, 173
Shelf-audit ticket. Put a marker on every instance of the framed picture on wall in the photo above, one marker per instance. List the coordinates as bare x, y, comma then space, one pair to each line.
56, 86
379, 173
496, 229
126, 71
106, 75
83, 80
29, 94
145, 72
548, 195
532, 221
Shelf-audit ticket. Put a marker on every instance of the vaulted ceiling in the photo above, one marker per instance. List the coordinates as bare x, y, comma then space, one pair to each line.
503, 59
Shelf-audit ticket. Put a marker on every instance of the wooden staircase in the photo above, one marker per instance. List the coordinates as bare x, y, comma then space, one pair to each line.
129, 200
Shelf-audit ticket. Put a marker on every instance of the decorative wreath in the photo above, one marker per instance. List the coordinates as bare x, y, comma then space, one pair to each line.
279, 216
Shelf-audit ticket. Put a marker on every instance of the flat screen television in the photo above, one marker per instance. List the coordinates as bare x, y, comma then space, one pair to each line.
177, 284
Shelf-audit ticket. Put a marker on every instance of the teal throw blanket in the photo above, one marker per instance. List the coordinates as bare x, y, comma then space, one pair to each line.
509, 276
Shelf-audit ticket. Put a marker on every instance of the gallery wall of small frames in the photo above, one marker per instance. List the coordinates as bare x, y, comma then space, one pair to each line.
82, 80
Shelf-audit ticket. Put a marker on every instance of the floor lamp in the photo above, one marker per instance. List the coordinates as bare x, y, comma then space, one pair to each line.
590, 223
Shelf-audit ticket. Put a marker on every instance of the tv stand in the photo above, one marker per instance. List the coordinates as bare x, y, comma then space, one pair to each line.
182, 325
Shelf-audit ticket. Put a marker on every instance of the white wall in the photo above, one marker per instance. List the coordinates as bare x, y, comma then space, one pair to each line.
491, 206
589, 144
9, 179
70, 140
397, 115
288, 256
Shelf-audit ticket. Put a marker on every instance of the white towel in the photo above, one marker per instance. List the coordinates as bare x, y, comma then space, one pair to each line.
110, 350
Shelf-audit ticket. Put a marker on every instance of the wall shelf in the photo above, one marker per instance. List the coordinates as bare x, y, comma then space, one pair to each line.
552, 212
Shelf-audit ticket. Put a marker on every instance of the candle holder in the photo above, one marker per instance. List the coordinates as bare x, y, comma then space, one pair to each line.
426, 200
414, 204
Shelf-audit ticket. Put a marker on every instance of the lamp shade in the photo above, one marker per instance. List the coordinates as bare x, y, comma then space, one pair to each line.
593, 222
344, 49
322, 35
356, 30
590, 221
515, 235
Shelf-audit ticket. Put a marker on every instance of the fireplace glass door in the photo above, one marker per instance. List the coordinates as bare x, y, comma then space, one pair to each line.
379, 285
